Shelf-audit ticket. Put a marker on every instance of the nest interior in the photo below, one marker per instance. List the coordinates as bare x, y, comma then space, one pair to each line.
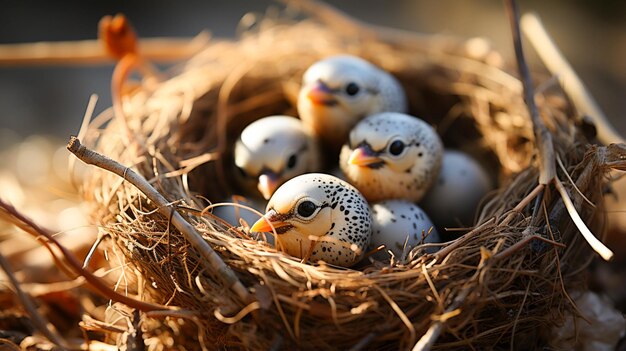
494, 286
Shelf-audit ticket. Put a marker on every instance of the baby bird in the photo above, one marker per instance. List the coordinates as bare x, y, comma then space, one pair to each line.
319, 206
273, 150
340, 90
392, 155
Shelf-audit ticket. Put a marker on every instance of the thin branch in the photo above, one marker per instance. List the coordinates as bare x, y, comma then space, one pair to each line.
570, 82
429, 338
38, 232
90, 52
543, 137
222, 271
595, 244
38, 320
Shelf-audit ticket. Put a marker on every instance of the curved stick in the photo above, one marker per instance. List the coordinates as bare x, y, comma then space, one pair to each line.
221, 271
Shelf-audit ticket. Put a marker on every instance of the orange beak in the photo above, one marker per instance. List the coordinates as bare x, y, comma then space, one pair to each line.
363, 156
265, 223
268, 182
320, 94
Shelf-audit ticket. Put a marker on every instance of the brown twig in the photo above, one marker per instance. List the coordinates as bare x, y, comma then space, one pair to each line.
90, 52
518, 245
569, 80
38, 320
221, 270
543, 137
32, 228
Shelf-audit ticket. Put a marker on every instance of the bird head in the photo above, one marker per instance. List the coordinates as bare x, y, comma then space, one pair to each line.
391, 154
337, 92
299, 207
273, 150
319, 216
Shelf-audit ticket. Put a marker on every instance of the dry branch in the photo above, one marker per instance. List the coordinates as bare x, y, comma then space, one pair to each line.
90, 52
221, 270
569, 80
543, 138
38, 232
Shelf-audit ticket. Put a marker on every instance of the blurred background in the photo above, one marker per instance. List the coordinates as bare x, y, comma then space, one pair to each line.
40, 106
52, 100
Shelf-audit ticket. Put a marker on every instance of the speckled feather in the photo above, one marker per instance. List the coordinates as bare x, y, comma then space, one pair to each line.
342, 221
407, 176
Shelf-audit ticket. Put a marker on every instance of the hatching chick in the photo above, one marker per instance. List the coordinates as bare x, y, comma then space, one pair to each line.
392, 156
339, 91
320, 217
273, 150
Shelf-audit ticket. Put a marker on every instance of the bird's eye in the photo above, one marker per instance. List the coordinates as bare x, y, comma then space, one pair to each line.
396, 147
291, 161
306, 209
352, 89
241, 171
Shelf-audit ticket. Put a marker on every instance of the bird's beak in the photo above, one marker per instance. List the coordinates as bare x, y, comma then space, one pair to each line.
363, 156
268, 182
265, 223
321, 94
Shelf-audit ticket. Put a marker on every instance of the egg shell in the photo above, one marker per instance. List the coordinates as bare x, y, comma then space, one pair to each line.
454, 197
400, 226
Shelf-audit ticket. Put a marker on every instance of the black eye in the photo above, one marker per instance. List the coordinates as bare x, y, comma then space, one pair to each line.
352, 89
306, 209
396, 147
291, 161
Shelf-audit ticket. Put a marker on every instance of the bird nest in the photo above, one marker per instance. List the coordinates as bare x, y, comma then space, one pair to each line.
504, 281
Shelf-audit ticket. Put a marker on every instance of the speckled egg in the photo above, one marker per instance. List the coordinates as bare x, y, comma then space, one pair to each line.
400, 226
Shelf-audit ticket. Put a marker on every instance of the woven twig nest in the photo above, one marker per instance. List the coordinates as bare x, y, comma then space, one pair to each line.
491, 287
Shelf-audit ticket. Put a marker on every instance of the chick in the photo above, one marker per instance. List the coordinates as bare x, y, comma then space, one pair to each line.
273, 150
339, 91
392, 156
319, 206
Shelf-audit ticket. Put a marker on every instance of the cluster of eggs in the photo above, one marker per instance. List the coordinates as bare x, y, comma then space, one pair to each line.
393, 170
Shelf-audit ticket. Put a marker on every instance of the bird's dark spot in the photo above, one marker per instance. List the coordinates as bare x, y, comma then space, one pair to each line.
420, 154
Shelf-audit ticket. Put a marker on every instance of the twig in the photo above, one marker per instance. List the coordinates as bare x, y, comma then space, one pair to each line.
570, 82
432, 334
222, 271
595, 244
90, 52
543, 137
38, 320
32, 228
518, 245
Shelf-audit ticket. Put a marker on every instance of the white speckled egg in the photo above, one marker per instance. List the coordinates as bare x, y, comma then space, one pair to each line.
400, 226
462, 182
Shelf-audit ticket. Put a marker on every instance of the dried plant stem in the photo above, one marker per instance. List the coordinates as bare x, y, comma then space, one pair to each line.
543, 137
91, 52
221, 270
569, 80
432, 334
39, 321
596, 244
30, 227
